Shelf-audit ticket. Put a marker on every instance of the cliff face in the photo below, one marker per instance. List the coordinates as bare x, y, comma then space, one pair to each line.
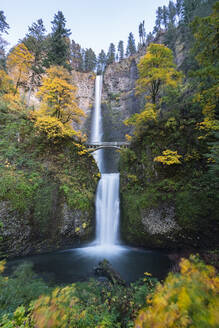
85, 83
47, 189
119, 100
20, 236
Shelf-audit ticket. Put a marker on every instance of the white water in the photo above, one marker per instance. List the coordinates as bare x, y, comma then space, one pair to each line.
107, 196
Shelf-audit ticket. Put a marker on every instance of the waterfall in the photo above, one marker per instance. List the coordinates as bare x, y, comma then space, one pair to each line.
107, 196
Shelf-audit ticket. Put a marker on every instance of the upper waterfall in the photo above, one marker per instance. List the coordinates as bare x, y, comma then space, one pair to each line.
96, 128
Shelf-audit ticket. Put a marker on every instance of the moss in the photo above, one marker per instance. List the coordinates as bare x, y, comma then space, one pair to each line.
37, 176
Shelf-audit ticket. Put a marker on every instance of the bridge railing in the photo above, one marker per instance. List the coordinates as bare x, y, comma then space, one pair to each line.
113, 144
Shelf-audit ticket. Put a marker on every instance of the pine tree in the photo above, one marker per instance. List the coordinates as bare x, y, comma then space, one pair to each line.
35, 43
121, 50
158, 22
150, 38
131, 48
76, 57
59, 51
3, 29
111, 54
179, 4
172, 12
165, 17
101, 62
142, 33
188, 8
90, 60
3, 24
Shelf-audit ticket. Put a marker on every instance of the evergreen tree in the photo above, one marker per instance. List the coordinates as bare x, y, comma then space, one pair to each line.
188, 9
158, 22
3, 29
142, 33
35, 43
90, 60
131, 48
76, 57
111, 54
101, 62
172, 13
179, 4
150, 38
165, 17
59, 51
121, 50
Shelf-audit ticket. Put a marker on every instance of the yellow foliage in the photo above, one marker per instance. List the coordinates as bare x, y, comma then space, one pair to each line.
59, 96
6, 83
18, 63
56, 310
53, 127
128, 137
156, 70
148, 114
189, 299
58, 109
169, 157
13, 100
2, 265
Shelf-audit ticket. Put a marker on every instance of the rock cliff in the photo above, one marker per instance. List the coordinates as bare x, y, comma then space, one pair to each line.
119, 100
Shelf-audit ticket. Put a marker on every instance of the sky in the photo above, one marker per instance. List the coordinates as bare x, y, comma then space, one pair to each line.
94, 23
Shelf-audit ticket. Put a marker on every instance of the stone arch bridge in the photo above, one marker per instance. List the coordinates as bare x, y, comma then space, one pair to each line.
93, 146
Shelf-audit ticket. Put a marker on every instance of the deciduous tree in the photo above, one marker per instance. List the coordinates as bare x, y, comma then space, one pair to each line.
19, 63
156, 70
58, 98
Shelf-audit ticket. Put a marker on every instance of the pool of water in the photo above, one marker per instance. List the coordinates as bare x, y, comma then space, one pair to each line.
77, 264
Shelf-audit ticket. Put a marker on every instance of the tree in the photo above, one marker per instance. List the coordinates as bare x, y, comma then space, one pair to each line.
142, 33
59, 51
59, 96
101, 62
172, 12
158, 22
156, 70
188, 9
207, 54
121, 50
111, 54
90, 60
35, 42
3, 29
150, 38
165, 17
131, 47
179, 4
76, 58
3, 24
19, 63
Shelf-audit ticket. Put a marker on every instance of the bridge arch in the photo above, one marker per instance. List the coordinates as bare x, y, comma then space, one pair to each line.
106, 145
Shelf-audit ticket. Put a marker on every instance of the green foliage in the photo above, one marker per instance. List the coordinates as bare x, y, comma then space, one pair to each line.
131, 47
93, 304
59, 45
3, 24
20, 289
33, 171
111, 54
